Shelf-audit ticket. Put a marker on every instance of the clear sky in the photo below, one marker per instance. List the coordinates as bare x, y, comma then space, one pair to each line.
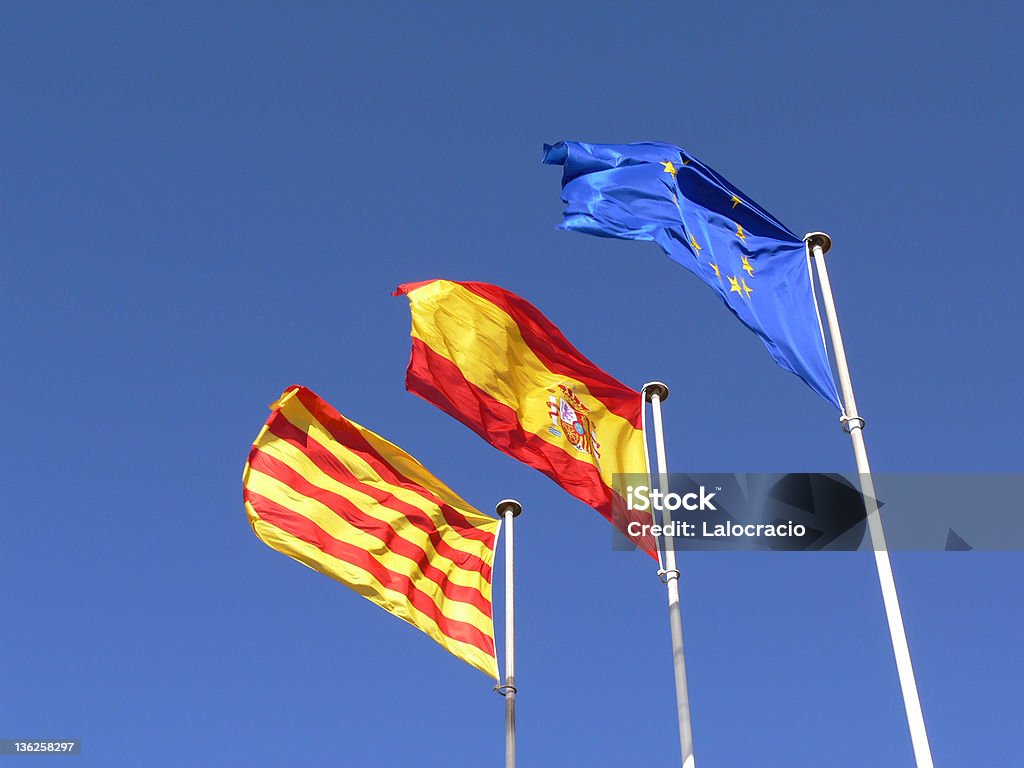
202, 204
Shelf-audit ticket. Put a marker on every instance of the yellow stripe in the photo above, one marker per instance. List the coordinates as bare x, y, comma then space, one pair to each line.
342, 530
369, 587
417, 473
300, 417
488, 348
302, 465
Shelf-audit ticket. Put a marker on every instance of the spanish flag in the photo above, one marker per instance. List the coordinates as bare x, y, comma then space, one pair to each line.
491, 360
349, 504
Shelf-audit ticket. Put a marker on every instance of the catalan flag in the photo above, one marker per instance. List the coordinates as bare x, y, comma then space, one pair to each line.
491, 360
349, 504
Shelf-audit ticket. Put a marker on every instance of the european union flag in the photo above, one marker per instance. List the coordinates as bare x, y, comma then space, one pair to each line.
658, 192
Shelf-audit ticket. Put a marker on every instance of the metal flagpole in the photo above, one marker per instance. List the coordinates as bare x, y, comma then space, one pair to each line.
655, 392
818, 244
509, 509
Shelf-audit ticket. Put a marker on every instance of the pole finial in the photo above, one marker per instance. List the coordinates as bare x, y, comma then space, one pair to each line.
652, 388
508, 505
819, 239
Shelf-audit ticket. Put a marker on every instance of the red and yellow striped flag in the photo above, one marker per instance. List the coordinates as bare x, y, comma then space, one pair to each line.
351, 505
491, 360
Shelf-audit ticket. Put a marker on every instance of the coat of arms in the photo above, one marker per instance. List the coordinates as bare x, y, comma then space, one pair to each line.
570, 419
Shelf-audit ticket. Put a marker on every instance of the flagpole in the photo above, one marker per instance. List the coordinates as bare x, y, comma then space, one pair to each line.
818, 244
655, 392
509, 509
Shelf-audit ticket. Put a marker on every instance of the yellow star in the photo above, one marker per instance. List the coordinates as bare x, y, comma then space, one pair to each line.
717, 273
686, 162
740, 233
746, 266
746, 288
735, 201
696, 247
669, 167
734, 286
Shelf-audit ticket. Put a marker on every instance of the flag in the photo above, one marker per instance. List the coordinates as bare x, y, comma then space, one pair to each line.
349, 504
491, 360
759, 268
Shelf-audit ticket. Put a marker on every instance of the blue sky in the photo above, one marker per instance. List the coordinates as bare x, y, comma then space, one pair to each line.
205, 203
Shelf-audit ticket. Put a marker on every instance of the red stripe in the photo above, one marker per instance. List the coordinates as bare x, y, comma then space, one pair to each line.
438, 380
555, 351
333, 467
346, 433
298, 526
395, 543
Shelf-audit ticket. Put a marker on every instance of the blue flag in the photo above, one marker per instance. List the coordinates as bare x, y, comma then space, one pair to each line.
658, 192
